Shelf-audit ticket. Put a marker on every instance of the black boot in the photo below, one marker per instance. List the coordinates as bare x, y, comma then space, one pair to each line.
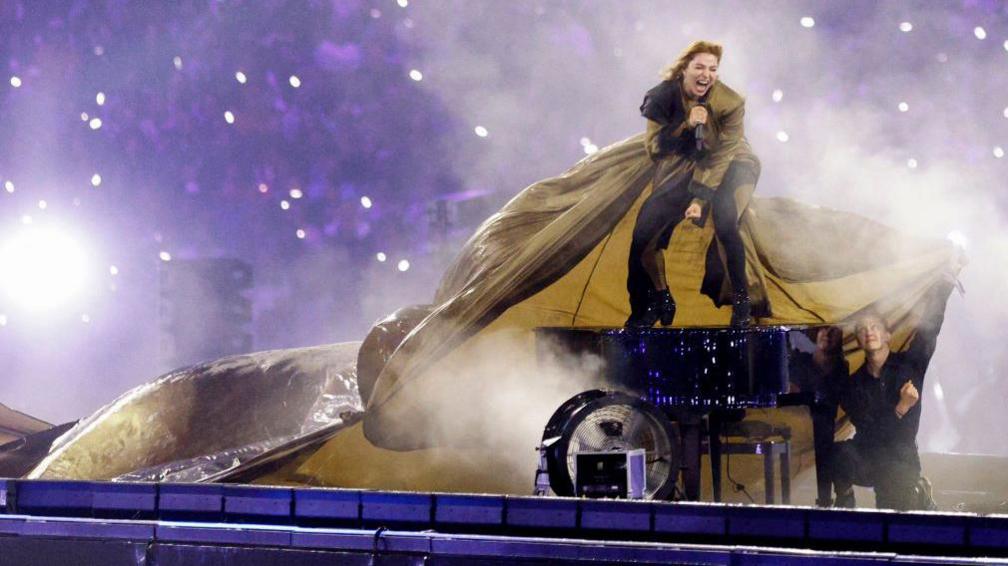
741, 310
660, 306
844, 498
666, 307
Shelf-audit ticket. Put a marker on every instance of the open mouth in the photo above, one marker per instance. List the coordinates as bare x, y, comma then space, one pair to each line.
703, 83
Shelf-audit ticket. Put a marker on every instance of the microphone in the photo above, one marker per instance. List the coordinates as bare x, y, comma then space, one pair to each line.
698, 134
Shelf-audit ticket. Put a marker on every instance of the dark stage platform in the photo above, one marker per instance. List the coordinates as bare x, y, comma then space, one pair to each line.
46, 522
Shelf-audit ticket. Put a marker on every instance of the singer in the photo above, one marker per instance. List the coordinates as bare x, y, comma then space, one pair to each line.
704, 165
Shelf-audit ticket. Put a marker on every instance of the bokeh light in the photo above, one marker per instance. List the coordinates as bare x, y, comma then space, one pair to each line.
807, 22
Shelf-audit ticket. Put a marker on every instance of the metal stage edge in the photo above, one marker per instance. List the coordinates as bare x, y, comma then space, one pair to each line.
61, 522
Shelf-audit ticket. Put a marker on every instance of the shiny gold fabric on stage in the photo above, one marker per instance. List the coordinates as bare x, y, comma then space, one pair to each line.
199, 422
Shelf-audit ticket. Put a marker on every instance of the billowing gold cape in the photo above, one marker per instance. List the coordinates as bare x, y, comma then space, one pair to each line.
461, 402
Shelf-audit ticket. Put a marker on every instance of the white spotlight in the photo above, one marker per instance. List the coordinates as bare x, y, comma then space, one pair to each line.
380, 256
365, 201
229, 117
295, 81
980, 32
481, 131
15, 81
284, 204
95, 123
590, 149
100, 98
783, 136
8, 186
903, 107
95, 180
165, 256
906, 27
177, 61
912, 163
300, 234
402, 3
778, 95
240, 77
998, 151
403, 265
939, 393
42, 268
296, 194
416, 75
807, 22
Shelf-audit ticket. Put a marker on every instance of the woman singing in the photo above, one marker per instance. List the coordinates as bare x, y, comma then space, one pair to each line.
695, 136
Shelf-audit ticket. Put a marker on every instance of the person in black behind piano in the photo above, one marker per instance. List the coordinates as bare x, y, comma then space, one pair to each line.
883, 400
821, 373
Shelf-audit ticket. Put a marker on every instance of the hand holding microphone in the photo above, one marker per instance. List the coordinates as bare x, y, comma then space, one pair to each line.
697, 120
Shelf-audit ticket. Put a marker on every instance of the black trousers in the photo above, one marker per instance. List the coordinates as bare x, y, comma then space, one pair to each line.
893, 470
823, 427
665, 208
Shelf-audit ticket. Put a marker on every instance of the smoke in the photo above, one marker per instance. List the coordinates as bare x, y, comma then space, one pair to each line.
499, 391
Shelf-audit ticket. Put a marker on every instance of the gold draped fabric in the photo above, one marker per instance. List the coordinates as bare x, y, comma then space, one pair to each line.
556, 255
463, 400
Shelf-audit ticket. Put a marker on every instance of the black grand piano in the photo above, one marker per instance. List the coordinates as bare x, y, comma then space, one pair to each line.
693, 376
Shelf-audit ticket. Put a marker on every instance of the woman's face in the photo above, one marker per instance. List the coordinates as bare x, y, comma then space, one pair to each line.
700, 74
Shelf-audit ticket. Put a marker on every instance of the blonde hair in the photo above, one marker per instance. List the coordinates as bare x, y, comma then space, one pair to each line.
675, 70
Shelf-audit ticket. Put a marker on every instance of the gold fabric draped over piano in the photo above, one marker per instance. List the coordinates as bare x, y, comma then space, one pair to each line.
463, 401
459, 397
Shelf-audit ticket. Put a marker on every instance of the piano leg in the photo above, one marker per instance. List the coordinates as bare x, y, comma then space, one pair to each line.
690, 427
823, 426
714, 429
785, 474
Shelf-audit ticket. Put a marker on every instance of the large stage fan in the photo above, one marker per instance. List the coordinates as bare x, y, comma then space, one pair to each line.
599, 421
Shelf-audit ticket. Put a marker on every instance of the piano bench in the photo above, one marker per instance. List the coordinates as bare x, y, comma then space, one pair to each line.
772, 442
